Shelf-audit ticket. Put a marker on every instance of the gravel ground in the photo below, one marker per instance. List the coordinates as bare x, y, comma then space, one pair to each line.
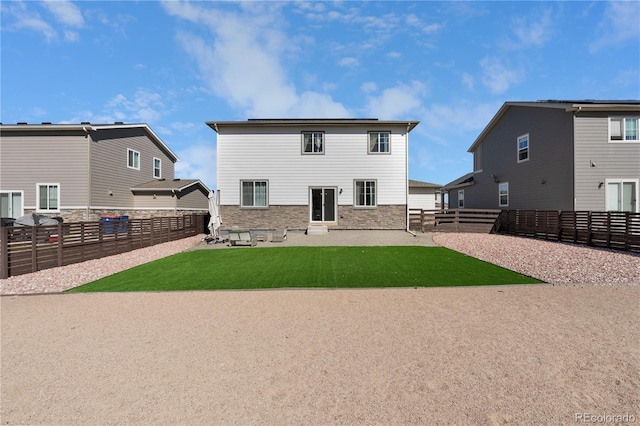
551, 262
534, 354
531, 354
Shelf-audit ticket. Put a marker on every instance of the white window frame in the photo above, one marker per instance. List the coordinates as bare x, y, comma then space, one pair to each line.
253, 205
527, 149
159, 168
377, 142
366, 203
136, 155
622, 181
39, 207
11, 207
314, 145
623, 129
461, 198
501, 194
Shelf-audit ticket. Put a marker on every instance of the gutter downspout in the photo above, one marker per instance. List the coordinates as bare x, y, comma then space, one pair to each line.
406, 176
88, 130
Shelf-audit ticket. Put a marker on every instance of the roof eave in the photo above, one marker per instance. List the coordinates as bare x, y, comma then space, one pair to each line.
411, 124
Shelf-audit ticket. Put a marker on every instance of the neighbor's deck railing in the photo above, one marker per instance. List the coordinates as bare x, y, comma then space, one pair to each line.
452, 220
34, 248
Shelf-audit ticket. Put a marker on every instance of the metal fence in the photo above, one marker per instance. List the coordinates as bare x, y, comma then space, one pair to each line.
28, 249
615, 230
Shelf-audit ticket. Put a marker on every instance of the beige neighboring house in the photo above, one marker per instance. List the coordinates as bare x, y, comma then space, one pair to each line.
424, 195
82, 172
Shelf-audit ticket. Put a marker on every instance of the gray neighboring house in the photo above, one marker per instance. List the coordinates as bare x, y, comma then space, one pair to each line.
424, 195
81, 172
555, 155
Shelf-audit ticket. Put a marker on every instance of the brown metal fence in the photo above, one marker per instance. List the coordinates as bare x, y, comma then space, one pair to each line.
34, 248
616, 230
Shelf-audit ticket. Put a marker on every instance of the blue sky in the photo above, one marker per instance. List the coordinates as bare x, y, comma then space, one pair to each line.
175, 65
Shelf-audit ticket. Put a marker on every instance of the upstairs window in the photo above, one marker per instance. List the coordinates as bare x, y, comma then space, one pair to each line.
313, 142
48, 197
379, 142
623, 129
254, 193
523, 148
365, 193
133, 159
157, 168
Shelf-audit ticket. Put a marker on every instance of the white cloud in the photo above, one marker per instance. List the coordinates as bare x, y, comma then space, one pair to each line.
368, 87
620, 25
145, 107
197, 161
65, 12
26, 19
532, 31
459, 118
432, 28
400, 102
348, 62
243, 61
394, 55
468, 81
497, 77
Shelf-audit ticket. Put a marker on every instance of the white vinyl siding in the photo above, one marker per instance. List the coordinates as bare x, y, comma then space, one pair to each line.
290, 174
157, 168
312, 142
48, 197
133, 159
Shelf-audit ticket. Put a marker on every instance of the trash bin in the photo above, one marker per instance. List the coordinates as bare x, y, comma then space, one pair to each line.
122, 225
109, 223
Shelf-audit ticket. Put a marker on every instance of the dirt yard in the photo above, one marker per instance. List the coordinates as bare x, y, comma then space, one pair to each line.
536, 354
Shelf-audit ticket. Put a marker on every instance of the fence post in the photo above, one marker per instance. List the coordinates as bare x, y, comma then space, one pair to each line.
589, 230
559, 225
59, 243
4, 252
34, 249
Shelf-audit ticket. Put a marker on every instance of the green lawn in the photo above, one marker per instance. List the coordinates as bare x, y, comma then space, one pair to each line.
251, 268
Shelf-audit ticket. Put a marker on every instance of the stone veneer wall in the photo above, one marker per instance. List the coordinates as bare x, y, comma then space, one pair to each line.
80, 215
297, 217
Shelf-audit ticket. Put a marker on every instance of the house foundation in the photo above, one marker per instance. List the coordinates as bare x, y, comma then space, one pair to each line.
386, 217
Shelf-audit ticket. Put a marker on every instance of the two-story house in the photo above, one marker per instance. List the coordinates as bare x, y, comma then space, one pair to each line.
555, 155
84, 171
296, 173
